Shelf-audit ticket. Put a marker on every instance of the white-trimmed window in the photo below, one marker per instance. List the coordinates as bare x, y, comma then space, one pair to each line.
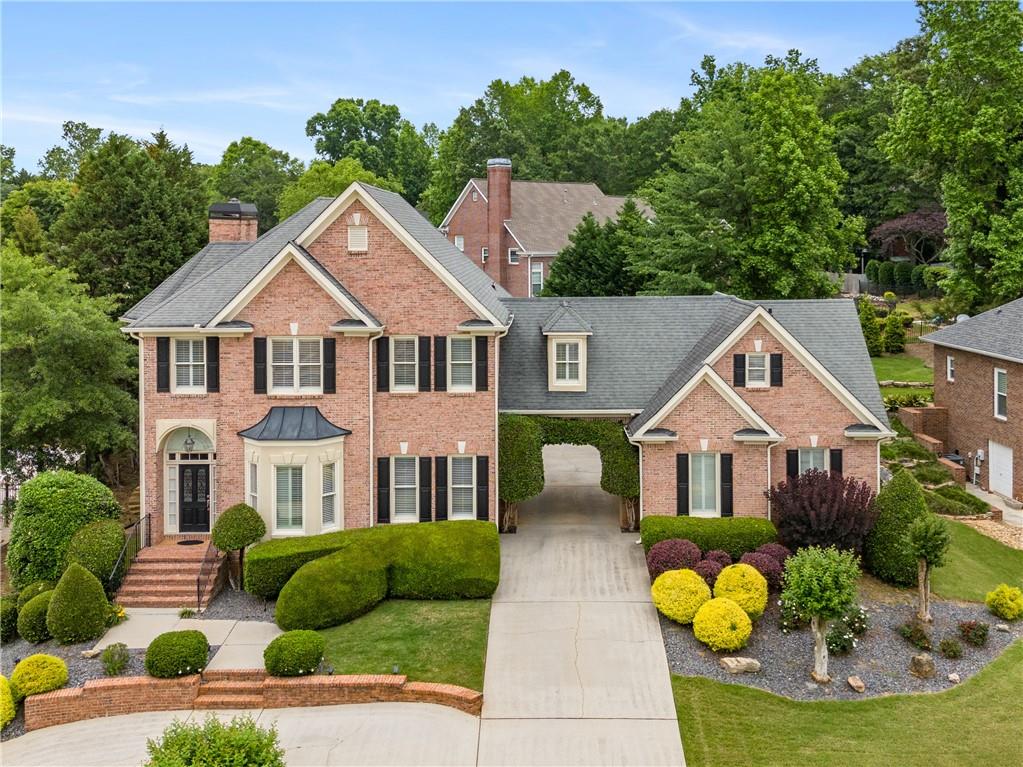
950, 368
296, 365
513, 256
189, 365
813, 458
484, 252
461, 363
460, 242
535, 278
756, 371
404, 488
358, 239
288, 491
566, 362
404, 362
475, 195
462, 486
1001, 394
254, 485
703, 485
328, 496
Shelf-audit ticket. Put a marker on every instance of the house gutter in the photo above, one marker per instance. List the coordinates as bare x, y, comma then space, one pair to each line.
372, 337
497, 419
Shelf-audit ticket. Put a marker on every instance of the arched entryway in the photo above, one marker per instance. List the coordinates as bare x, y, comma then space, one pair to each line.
189, 472
571, 494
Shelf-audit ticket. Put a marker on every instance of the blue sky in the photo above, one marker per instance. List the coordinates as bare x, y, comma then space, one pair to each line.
211, 73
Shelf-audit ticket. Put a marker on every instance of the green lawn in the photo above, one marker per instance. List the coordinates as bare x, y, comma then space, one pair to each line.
430, 641
888, 391
901, 367
724, 725
975, 565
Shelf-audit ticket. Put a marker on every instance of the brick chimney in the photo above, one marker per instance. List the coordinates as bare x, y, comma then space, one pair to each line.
499, 174
233, 221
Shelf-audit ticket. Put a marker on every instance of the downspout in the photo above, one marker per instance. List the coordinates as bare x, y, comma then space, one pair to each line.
142, 435
372, 464
769, 446
497, 421
639, 447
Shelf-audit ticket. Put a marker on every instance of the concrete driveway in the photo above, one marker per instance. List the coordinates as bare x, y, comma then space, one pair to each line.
576, 671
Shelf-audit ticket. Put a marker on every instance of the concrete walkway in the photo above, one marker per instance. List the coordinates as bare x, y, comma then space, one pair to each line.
1010, 516
576, 671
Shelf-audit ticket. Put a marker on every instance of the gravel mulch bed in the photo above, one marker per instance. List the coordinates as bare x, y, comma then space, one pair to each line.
1001, 532
238, 606
881, 658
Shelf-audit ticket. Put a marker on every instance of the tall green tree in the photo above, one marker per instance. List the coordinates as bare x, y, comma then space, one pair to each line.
11, 178
67, 367
962, 129
139, 214
46, 197
324, 179
255, 172
749, 203
63, 160
378, 137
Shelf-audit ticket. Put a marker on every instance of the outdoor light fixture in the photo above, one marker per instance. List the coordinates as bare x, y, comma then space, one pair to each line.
189, 442
394, 669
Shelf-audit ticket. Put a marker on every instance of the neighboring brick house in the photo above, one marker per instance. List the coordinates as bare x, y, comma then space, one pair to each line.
347, 368
515, 229
978, 380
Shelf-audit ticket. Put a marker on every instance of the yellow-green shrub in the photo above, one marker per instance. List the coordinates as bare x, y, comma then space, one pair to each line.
6, 702
722, 625
1005, 602
744, 586
678, 594
36, 674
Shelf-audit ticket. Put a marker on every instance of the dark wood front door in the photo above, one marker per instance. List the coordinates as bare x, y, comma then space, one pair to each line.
194, 482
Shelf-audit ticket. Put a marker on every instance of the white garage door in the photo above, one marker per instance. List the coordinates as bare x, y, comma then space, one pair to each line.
1000, 467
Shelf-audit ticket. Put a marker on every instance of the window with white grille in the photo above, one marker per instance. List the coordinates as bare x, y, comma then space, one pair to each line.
295, 366
812, 458
703, 484
950, 368
460, 242
756, 370
404, 488
484, 252
288, 497
566, 361
329, 496
404, 359
1001, 394
535, 279
189, 365
462, 486
254, 485
358, 239
460, 363
513, 256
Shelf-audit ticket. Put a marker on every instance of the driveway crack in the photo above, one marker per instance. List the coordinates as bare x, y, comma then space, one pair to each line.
578, 674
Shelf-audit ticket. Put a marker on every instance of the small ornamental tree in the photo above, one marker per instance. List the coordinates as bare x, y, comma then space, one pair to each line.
820, 584
870, 328
239, 526
929, 539
818, 508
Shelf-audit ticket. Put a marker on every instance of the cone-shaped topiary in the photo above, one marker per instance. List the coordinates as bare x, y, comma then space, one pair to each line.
744, 586
32, 618
887, 552
78, 610
34, 590
678, 594
722, 625
6, 702
37, 674
97, 548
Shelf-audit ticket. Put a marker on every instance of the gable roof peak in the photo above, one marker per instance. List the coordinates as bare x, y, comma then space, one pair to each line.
565, 319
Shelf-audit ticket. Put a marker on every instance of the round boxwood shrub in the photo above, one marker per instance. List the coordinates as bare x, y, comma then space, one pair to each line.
776, 550
887, 553
237, 527
1006, 602
33, 590
722, 625
177, 653
723, 558
744, 586
672, 554
32, 618
767, 566
709, 570
8, 619
97, 547
79, 608
678, 594
294, 653
37, 674
52, 506
6, 702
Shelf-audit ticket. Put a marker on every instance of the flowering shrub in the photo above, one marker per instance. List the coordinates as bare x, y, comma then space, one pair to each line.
767, 566
721, 624
744, 586
709, 570
723, 558
672, 554
973, 632
950, 648
1005, 602
840, 639
775, 550
791, 619
678, 594
857, 620
916, 635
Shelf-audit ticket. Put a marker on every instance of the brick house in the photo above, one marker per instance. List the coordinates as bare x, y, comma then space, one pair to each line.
978, 374
347, 368
515, 229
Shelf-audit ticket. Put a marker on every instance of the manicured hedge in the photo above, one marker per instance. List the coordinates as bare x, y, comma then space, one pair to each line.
32, 618
177, 653
79, 607
294, 653
270, 564
96, 547
520, 452
735, 535
37, 674
435, 560
8, 619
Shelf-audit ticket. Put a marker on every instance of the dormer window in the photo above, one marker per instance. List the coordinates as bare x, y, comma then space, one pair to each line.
566, 363
358, 238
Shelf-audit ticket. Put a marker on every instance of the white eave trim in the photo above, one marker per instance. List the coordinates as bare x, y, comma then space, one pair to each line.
460, 200
765, 439
182, 331
567, 332
522, 248
870, 435
981, 352
655, 440
570, 412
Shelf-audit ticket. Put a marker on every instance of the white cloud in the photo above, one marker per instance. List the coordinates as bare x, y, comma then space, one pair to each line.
732, 37
276, 98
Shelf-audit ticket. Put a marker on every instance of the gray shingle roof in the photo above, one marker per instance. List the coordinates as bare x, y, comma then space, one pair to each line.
998, 331
336, 283
293, 423
565, 319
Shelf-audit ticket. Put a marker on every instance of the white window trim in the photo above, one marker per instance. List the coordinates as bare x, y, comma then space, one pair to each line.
484, 254
286, 531
750, 383
394, 495
535, 268
252, 491
451, 471
472, 366
175, 389
824, 467
950, 368
517, 255
703, 514
1005, 373
336, 524
460, 242
553, 384
415, 346
355, 248
296, 389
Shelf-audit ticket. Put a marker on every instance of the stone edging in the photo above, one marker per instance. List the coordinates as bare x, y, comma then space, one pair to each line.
130, 695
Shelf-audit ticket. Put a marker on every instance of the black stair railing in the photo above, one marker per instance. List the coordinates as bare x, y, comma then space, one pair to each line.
136, 535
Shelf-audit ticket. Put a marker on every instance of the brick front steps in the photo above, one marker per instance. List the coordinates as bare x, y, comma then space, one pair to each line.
165, 576
235, 689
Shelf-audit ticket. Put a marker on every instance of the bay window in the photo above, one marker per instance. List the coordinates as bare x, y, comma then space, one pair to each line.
328, 496
288, 501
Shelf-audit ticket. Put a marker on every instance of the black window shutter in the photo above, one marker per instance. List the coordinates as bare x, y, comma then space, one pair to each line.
776, 370
259, 365
383, 490
440, 364
481, 363
329, 366
482, 487
383, 364
424, 363
738, 370
162, 364
726, 484
425, 489
441, 466
791, 463
682, 484
213, 363
835, 454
